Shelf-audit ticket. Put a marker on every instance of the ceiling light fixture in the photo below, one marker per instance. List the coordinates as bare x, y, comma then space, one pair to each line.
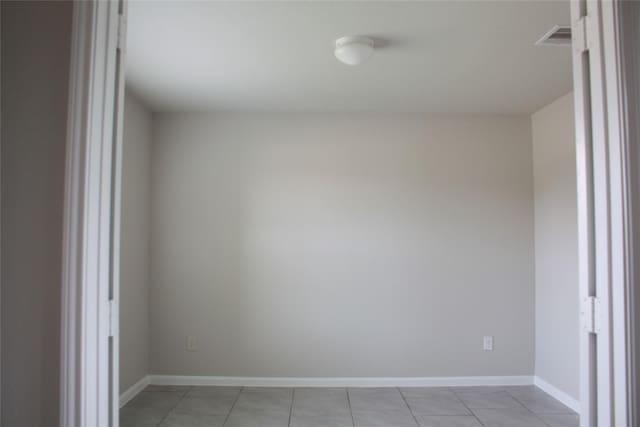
353, 50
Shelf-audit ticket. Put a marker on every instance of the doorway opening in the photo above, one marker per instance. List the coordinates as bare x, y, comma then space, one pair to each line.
359, 217
292, 221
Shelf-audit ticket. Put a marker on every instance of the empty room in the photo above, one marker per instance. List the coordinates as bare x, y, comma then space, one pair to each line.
319, 213
346, 213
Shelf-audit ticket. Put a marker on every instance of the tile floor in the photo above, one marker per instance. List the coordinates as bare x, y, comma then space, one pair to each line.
512, 406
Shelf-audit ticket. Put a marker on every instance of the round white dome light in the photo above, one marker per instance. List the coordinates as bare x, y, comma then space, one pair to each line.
353, 50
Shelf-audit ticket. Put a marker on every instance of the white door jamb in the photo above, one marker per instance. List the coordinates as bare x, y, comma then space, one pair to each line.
86, 377
607, 199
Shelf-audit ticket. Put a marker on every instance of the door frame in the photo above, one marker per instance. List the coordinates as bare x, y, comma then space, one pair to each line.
89, 316
608, 215
89, 365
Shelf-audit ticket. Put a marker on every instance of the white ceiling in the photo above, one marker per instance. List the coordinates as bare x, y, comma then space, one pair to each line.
432, 56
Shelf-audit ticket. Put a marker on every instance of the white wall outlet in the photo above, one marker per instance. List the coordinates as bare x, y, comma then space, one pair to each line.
487, 343
193, 344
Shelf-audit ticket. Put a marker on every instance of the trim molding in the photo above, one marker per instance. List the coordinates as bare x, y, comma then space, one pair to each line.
339, 381
89, 374
134, 390
557, 394
188, 380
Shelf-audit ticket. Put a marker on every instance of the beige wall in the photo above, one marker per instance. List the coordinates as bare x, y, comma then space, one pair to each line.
134, 243
36, 42
342, 245
556, 242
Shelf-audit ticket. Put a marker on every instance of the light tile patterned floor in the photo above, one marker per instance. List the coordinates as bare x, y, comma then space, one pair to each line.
509, 406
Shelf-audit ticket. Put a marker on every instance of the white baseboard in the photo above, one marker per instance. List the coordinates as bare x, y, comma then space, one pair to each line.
557, 394
339, 381
133, 391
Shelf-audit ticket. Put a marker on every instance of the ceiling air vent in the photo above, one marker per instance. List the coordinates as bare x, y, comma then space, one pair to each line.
557, 36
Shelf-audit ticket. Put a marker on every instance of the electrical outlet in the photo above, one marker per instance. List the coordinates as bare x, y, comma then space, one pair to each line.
193, 344
487, 343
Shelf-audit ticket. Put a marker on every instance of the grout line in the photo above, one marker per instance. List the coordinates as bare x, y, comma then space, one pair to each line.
468, 409
293, 396
408, 407
233, 406
353, 421
525, 407
174, 406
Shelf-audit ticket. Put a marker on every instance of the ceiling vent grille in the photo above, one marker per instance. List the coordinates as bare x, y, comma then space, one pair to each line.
557, 36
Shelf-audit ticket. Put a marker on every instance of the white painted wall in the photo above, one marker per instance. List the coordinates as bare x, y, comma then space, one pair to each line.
134, 243
336, 245
36, 42
556, 246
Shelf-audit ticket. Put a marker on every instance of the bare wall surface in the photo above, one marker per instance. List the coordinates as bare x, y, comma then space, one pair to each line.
134, 243
36, 41
314, 245
556, 243
630, 40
